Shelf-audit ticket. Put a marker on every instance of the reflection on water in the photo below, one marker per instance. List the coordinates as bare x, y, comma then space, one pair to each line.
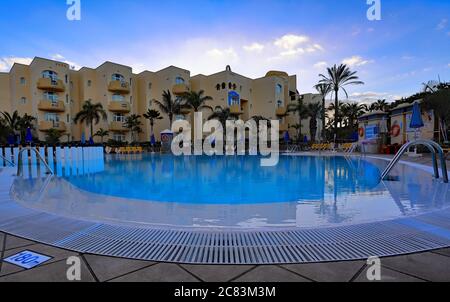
234, 191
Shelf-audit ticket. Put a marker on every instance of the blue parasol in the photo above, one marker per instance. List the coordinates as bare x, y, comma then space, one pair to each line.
28, 136
91, 141
416, 118
286, 137
83, 138
152, 140
305, 139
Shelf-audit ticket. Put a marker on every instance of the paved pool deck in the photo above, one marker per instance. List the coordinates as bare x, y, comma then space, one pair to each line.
433, 266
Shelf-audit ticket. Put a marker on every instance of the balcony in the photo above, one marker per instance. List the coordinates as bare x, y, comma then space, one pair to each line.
118, 127
51, 85
47, 125
281, 111
120, 107
180, 89
50, 106
119, 86
236, 109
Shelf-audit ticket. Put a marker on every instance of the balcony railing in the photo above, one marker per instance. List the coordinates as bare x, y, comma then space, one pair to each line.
51, 106
236, 109
47, 125
119, 86
180, 89
51, 85
122, 107
118, 127
281, 111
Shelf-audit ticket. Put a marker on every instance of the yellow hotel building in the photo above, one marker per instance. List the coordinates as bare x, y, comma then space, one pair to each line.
54, 93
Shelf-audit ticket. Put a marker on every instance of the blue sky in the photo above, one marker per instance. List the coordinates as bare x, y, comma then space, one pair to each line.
410, 45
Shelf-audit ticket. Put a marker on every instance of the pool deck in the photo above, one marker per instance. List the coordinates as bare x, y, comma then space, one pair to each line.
428, 266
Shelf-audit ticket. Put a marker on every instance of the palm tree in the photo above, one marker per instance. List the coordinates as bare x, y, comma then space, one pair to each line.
381, 105
101, 133
25, 122
3, 131
170, 106
52, 136
12, 121
324, 90
133, 123
222, 115
91, 113
196, 100
300, 109
152, 116
353, 111
338, 77
314, 110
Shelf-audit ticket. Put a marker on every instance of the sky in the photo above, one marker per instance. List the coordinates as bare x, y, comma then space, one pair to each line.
410, 45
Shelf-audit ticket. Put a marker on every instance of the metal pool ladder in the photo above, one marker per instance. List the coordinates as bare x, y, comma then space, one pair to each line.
7, 160
434, 148
38, 155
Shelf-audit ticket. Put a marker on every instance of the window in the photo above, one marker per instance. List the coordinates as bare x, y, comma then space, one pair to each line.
66, 79
68, 119
71, 85
230, 86
67, 99
119, 137
50, 75
119, 117
234, 86
89, 83
131, 99
279, 89
279, 103
240, 88
149, 86
22, 81
218, 86
224, 86
118, 77
118, 98
51, 117
150, 103
179, 80
23, 100
51, 96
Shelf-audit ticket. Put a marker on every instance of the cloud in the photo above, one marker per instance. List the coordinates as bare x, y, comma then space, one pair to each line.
228, 54
321, 65
254, 47
356, 61
448, 65
61, 58
7, 62
442, 24
369, 97
290, 42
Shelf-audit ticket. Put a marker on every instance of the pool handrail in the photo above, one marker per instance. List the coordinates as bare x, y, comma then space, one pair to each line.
20, 160
7, 160
433, 147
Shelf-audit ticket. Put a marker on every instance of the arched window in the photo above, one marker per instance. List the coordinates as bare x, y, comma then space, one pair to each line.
279, 89
89, 83
50, 74
218, 86
230, 86
224, 85
118, 77
234, 86
179, 80
23, 81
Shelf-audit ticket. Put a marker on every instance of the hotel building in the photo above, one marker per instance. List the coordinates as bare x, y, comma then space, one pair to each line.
54, 93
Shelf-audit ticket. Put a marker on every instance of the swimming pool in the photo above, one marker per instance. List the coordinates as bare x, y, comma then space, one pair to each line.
236, 192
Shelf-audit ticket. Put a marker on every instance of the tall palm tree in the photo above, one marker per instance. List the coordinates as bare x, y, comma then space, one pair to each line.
324, 90
133, 123
314, 111
152, 116
381, 105
338, 77
170, 106
12, 121
3, 131
196, 100
101, 133
302, 112
91, 113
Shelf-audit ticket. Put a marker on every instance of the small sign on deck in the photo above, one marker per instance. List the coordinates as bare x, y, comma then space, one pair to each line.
27, 259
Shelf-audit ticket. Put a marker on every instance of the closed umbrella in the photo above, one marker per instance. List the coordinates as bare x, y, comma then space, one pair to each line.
152, 140
28, 136
91, 141
83, 138
286, 137
416, 119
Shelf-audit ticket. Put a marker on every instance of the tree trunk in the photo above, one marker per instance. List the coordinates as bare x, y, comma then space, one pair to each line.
152, 124
323, 120
92, 130
336, 112
313, 129
299, 134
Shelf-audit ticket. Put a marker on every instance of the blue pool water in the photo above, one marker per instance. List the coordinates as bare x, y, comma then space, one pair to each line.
229, 180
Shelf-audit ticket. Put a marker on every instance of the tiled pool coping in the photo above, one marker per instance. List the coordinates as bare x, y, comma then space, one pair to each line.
353, 242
